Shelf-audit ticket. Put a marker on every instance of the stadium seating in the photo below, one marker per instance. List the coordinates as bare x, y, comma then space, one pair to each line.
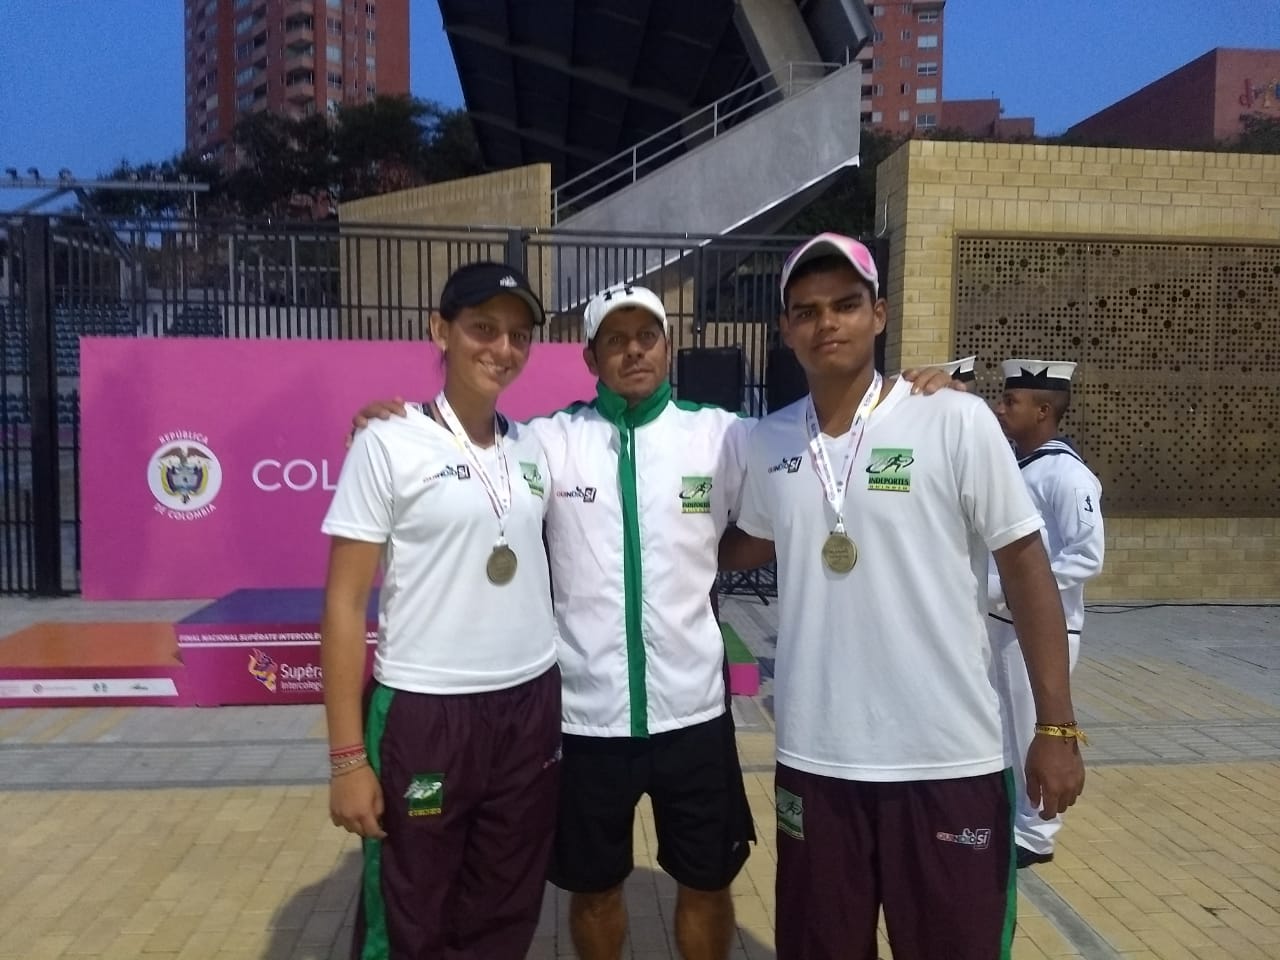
196, 320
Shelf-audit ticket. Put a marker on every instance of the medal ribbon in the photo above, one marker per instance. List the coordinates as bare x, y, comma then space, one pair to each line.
833, 485
499, 493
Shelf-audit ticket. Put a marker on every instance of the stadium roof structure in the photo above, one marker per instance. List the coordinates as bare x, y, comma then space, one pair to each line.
574, 82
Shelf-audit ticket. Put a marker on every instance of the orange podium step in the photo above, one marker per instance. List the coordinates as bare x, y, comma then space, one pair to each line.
103, 664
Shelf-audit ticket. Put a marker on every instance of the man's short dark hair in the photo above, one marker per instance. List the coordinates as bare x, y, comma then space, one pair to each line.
1059, 401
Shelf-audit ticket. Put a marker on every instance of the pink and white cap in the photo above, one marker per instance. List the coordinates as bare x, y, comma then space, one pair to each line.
824, 245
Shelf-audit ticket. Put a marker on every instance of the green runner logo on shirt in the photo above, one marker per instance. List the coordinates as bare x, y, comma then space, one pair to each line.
426, 795
695, 494
533, 477
790, 813
890, 469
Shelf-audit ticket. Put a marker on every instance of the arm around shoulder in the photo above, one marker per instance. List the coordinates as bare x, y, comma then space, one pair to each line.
739, 550
747, 543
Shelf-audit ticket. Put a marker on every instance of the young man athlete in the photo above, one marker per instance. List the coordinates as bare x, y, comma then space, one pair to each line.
892, 782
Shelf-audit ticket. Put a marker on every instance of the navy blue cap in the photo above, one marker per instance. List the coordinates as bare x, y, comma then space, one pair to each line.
475, 283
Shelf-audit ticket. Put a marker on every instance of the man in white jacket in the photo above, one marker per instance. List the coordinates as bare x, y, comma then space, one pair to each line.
1036, 395
642, 487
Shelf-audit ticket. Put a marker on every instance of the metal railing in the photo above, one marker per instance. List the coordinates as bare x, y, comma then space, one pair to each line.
63, 277
707, 123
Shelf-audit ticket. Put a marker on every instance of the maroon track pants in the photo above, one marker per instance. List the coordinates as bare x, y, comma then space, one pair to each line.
470, 785
937, 855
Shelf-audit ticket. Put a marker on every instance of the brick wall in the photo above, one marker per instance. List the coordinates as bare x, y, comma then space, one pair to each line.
399, 275
520, 195
1188, 559
933, 191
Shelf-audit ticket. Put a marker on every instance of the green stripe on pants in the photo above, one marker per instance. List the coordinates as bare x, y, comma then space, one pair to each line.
376, 945
1011, 902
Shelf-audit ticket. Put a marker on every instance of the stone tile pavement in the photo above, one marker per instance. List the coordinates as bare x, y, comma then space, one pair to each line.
182, 834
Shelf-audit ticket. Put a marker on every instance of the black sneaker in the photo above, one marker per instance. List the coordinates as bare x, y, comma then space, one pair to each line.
1028, 858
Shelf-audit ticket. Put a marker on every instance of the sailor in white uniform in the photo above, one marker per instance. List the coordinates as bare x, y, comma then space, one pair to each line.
1068, 495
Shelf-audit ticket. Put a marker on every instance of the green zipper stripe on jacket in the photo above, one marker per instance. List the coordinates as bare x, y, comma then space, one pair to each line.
626, 418
377, 946
633, 586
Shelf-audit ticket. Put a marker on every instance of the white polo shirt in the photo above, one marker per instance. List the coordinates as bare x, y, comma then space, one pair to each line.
442, 626
881, 673
639, 500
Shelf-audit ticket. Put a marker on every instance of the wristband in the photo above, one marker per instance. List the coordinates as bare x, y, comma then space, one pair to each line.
350, 767
1068, 731
347, 763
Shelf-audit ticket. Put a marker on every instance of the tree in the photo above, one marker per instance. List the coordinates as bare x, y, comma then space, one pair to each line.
453, 150
1259, 134
292, 166
379, 146
280, 163
150, 204
392, 143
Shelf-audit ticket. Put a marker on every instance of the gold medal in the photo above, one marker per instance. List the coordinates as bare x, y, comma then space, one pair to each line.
839, 553
501, 567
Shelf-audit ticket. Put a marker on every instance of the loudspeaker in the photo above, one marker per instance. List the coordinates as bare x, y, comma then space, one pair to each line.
713, 375
784, 381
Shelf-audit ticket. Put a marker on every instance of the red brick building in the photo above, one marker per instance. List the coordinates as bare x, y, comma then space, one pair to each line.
1194, 106
292, 57
985, 118
902, 66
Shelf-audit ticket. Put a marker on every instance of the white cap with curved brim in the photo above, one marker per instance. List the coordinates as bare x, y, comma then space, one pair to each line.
1037, 374
960, 369
615, 298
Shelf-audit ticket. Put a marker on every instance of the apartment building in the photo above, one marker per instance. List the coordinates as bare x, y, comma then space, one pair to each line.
291, 57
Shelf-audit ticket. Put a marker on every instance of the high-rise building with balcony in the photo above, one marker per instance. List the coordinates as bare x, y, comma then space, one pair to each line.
902, 66
290, 57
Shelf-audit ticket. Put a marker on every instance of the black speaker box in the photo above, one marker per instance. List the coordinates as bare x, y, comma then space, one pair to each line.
784, 381
713, 375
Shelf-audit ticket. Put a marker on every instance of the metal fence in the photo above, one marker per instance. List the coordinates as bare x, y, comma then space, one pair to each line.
63, 277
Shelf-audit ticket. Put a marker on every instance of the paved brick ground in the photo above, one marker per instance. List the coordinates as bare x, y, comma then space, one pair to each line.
162, 833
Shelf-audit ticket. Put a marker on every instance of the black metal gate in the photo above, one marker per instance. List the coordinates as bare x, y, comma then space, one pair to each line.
17, 524
64, 276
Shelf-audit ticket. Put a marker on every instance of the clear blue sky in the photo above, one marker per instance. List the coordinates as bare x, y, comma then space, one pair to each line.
1063, 60
86, 83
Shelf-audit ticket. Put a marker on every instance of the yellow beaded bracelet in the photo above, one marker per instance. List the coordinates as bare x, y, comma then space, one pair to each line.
1071, 732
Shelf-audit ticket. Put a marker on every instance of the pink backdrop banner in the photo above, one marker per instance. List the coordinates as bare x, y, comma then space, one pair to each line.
208, 465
